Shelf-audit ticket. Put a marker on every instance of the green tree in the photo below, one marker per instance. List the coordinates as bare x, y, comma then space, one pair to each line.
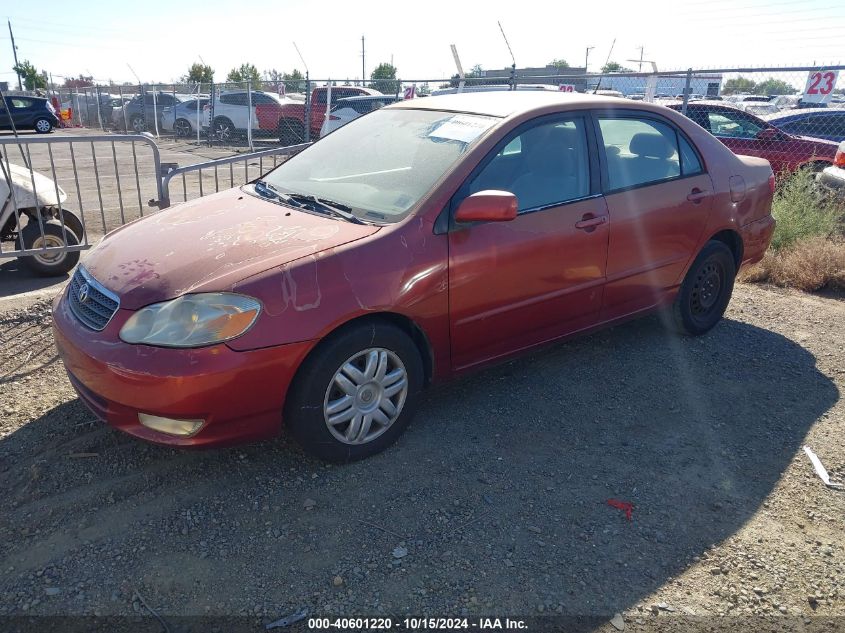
384, 79
199, 73
614, 67
738, 85
245, 72
32, 79
293, 81
560, 64
772, 86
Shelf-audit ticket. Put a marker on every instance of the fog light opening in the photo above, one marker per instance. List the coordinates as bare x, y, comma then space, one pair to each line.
171, 426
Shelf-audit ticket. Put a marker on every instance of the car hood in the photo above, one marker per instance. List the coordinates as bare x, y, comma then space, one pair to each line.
209, 244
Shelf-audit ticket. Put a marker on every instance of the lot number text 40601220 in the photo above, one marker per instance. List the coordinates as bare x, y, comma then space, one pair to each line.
417, 624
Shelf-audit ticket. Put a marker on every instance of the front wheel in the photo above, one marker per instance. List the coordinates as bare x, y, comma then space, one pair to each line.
54, 262
223, 129
139, 124
291, 132
356, 393
183, 128
705, 291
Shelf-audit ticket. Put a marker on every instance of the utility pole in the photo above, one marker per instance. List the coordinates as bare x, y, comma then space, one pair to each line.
641, 58
363, 63
587, 58
15, 53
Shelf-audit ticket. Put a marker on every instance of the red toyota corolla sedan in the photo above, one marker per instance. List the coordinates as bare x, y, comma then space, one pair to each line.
425, 239
744, 133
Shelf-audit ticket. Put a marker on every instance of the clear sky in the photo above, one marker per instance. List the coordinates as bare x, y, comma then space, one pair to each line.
161, 39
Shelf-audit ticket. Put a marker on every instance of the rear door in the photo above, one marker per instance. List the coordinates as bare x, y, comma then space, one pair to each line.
21, 109
659, 197
516, 284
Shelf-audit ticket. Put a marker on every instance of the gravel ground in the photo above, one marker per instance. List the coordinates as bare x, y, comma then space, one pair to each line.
493, 503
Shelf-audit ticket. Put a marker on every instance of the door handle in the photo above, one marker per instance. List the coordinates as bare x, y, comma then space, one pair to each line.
697, 195
590, 222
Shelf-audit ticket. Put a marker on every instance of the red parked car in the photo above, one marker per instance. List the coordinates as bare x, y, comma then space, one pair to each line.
747, 134
420, 241
288, 119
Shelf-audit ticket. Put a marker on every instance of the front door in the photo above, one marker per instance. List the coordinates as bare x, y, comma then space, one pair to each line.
516, 284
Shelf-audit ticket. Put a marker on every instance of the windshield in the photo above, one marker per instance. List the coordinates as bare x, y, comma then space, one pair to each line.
381, 164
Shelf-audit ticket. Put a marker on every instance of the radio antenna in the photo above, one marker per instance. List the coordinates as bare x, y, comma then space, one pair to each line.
513, 59
606, 62
301, 58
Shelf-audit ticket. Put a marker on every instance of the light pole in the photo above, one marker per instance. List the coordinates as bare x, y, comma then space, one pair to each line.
586, 67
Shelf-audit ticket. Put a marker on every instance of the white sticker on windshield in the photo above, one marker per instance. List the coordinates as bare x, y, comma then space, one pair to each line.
463, 127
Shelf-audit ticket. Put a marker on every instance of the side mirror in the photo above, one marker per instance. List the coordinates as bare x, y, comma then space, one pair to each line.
769, 134
488, 206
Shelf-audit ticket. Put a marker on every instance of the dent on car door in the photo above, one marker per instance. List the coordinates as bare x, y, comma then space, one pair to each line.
540, 276
659, 197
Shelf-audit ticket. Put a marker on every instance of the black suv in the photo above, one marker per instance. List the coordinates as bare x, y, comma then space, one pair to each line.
36, 113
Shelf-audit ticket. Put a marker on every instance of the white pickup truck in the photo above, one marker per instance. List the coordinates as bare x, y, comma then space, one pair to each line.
232, 112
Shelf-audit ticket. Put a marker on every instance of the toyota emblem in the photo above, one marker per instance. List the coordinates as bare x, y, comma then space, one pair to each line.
83, 293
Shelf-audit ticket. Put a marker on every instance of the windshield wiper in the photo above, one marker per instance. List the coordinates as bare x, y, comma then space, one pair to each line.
336, 209
266, 190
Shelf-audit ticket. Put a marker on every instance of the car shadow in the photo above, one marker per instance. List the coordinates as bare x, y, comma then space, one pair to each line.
17, 278
498, 491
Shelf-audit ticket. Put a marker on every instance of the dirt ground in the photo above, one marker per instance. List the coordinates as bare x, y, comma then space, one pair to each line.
494, 503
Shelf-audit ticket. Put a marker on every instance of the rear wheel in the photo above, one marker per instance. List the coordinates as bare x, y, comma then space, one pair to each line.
706, 290
291, 132
43, 125
356, 393
50, 263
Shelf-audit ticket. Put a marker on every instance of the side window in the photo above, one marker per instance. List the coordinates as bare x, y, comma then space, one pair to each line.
639, 151
188, 105
733, 125
20, 104
690, 162
550, 166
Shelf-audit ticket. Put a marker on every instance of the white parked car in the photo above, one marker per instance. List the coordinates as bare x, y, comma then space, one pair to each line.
350, 108
232, 112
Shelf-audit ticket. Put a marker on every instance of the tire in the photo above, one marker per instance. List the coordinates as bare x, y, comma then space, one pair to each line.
315, 394
706, 290
49, 264
291, 132
43, 125
223, 129
138, 124
183, 128
72, 221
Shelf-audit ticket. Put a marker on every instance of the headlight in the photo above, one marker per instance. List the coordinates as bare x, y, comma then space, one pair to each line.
192, 320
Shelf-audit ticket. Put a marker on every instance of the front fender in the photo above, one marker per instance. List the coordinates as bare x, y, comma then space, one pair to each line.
22, 187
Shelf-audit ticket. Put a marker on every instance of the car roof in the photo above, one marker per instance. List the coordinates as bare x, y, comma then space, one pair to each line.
369, 98
506, 103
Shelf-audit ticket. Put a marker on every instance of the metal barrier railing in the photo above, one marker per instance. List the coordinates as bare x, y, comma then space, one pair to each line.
211, 169
52, 170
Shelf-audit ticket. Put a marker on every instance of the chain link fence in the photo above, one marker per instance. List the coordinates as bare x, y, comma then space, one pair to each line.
769, 112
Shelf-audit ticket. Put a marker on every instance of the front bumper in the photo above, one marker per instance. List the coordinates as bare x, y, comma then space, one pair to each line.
240, 395
833, 179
